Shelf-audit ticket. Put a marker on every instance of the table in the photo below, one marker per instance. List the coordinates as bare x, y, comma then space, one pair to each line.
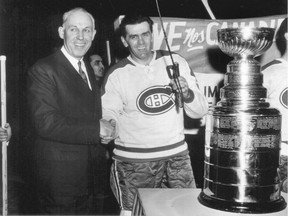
181, 202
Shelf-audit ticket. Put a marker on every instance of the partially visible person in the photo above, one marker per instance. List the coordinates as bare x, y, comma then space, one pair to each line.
5, 133
276, 82
97, 64
65, 106
139, 97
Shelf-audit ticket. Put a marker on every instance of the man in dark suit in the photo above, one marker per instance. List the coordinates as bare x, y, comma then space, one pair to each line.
65, 105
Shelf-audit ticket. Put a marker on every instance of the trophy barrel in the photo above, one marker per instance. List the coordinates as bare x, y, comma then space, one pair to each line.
243, 134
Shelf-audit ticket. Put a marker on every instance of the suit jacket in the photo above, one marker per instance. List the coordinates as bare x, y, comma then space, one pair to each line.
65, 114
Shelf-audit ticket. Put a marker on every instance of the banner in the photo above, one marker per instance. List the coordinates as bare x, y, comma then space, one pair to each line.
196, 39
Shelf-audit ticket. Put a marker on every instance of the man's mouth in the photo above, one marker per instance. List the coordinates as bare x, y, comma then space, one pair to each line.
142, 50
80, 45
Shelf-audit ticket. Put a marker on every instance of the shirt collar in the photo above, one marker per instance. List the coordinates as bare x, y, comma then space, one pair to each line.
141, 65
71, 59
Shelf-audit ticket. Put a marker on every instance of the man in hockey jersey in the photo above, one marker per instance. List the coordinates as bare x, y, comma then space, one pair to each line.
275, 80
139, 98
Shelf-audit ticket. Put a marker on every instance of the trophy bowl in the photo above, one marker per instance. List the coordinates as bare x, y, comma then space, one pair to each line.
245, 42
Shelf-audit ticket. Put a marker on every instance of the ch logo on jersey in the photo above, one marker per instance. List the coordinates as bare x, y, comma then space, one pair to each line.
284, 98
155, 100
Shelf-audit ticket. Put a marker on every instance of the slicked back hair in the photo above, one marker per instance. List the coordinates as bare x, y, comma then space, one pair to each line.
131, 19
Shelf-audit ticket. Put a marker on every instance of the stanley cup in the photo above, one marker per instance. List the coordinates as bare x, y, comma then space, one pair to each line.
242, 146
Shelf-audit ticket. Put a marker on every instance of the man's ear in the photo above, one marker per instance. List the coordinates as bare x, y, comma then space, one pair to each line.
61, 32
94, 33
286, 36
124, 41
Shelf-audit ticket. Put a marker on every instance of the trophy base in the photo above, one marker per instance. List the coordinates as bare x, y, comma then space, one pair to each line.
259, 207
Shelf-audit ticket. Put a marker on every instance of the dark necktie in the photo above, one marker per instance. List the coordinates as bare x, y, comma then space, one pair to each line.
81, 72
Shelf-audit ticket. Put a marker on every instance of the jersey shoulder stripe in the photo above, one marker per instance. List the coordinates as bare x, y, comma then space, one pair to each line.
121, 64
270, 64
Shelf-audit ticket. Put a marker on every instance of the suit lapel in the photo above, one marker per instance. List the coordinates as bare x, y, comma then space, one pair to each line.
72, 74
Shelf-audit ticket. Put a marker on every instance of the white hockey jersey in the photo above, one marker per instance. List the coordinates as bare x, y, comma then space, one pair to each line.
141, 101
276, 82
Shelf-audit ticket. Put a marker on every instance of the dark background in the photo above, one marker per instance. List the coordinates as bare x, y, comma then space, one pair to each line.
28, 31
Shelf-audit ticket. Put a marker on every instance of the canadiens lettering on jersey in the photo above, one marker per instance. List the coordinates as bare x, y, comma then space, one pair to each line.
284, 98
156, 100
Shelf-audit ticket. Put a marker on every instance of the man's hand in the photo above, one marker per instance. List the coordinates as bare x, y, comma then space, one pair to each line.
107, 130
5, 133
186, 92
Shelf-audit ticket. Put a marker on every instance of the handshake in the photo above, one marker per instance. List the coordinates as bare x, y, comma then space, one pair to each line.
108, 130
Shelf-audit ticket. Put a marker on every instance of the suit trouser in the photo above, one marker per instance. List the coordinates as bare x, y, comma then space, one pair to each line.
70, 182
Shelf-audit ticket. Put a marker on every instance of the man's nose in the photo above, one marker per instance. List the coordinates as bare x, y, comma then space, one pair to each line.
141, 40
80, 35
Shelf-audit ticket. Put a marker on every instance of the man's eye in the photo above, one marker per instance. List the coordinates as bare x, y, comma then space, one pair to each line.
97, 62
87, 30
73, 29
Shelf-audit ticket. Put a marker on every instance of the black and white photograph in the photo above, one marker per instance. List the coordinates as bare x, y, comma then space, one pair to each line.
144, 107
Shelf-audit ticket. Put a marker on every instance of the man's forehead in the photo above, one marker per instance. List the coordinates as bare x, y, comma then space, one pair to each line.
138, 28
96, 58
79, 18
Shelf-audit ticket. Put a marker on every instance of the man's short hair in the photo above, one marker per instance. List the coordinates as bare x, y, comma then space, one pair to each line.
70, 12
131, 19
281, 41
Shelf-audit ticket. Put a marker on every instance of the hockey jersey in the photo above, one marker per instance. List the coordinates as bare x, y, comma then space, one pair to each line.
140, 99
276, 82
